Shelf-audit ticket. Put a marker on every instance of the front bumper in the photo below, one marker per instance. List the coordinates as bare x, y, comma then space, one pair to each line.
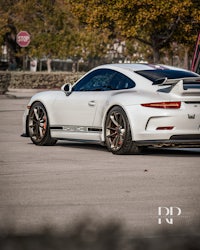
25, 132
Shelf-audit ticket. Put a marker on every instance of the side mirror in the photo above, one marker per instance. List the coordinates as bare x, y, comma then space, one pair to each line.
67, 88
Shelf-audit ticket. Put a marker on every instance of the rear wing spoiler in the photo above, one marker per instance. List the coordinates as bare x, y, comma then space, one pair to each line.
181, 86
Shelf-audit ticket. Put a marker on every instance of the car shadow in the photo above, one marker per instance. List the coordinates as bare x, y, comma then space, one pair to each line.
175, 152
79, 145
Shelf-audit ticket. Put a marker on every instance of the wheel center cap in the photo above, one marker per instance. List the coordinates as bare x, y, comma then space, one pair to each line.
118, 130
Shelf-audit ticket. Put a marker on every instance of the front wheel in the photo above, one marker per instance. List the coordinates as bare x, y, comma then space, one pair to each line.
118, 133
38, 125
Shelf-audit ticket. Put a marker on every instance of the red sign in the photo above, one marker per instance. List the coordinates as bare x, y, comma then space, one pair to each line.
23, 38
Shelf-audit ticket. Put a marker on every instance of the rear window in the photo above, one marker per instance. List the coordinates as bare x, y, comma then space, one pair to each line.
156, 75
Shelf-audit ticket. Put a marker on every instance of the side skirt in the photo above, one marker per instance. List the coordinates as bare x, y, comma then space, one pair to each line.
80, 133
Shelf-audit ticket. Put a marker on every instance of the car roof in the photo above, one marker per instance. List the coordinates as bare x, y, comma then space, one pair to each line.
152, 72
142, 66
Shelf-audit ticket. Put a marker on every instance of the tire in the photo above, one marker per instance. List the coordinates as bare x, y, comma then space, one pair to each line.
38, 126
118, 137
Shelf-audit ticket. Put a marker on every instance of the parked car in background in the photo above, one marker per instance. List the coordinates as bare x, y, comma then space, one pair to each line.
126, 107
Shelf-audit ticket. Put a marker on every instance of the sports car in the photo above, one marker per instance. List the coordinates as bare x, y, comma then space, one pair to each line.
126, 107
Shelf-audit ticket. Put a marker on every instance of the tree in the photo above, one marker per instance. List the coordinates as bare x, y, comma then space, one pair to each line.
154, 23
7, 30
50, 23
82, 29
55, 31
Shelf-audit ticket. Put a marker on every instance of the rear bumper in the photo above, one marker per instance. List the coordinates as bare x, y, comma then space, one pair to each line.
181, 141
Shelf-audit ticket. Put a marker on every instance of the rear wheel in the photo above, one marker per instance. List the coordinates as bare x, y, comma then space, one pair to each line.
118, 133
38, 125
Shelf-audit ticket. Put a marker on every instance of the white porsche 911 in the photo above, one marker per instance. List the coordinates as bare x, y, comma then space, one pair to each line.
125, 106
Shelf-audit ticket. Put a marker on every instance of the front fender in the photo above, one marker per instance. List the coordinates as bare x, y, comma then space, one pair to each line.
47, 98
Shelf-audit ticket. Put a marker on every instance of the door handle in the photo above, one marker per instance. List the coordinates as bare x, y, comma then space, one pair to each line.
92, 103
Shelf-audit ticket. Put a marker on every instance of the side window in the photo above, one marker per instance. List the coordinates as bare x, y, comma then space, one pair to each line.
97, 80
121, 81
103, 80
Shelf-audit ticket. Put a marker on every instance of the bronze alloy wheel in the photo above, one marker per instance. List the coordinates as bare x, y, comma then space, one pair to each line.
38, 125
115, 130
118, 134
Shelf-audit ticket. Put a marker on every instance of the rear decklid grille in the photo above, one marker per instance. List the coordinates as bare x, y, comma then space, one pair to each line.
192, 102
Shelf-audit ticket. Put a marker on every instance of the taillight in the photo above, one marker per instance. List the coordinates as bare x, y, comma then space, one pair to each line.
163, 105
165, 128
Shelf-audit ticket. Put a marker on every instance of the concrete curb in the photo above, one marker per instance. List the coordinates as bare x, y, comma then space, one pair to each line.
22, 93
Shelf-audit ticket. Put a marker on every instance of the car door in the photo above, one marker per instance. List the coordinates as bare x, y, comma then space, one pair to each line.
79, 108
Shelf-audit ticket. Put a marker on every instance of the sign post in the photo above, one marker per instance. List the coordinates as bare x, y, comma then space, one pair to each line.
23, 39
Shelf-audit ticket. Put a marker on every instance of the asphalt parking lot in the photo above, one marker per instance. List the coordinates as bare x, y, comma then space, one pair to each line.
57, 185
